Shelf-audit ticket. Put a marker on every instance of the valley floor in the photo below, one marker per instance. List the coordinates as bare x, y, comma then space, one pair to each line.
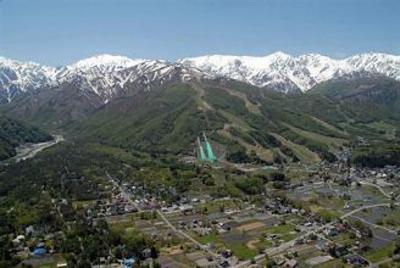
102, 212
26, 151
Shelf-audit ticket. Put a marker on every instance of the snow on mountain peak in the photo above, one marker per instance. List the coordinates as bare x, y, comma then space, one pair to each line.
284, 72
105, 60
106, 75
17, 76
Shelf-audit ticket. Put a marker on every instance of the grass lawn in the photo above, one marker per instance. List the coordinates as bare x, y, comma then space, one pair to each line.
390, 264
373, 191
286, 231
392, 220
334, 203
243, 252
264, 244
210, 238
344, 238
329, 215
297, 174
333, 264
380, 254
280, 229
215, 206
181, 260
122, 228
239, 249
48, 265
83, 203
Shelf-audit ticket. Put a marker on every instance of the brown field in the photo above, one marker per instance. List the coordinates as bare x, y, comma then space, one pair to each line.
252, 244
251, 226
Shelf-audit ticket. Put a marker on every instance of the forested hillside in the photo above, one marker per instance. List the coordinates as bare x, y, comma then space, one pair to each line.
14, 133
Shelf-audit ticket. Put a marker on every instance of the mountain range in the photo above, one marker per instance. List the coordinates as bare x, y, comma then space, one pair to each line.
106, 76
272, 109
285, 73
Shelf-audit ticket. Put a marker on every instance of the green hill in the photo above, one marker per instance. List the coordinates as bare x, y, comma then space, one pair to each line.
14, 133
248, 123
244, 123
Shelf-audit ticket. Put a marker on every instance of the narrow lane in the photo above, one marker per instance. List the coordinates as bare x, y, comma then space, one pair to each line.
203, 247
287, 245
162, 216
124, 194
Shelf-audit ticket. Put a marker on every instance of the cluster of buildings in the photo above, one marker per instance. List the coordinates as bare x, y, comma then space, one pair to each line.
117, 205
34, 250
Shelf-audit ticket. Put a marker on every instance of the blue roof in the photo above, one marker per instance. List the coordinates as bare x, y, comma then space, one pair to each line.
39, 251
128, 263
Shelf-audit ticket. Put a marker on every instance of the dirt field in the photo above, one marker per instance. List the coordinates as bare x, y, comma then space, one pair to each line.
251, 226
173, 250
251, 244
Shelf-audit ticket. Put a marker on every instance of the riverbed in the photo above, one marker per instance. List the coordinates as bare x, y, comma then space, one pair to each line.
29, 150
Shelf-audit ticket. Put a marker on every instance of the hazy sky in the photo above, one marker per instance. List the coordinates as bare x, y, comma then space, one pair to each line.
57, 32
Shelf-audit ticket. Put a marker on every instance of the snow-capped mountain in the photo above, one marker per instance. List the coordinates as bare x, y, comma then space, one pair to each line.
103, 75
100, 74
107, 76
286, 73
16, 76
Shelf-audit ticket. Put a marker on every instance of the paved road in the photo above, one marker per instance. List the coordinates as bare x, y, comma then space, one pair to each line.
271, 251
170, 225
376, 186
162, 216
124, 194
366, 207
285, 246
375, 225
377, 264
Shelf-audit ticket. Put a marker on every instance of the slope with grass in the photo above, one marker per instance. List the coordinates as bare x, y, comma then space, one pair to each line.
245, 123
242, 119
